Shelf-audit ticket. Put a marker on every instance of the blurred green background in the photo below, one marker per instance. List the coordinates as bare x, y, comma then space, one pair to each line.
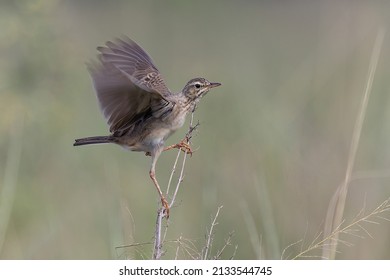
273, 140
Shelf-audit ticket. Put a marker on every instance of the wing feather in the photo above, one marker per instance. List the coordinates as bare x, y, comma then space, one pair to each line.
128, 85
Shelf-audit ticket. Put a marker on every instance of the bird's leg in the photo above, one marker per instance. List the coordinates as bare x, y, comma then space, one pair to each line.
152, 174
182, 145
164, 202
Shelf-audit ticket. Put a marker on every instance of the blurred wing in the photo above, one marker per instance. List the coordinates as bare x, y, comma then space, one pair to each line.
134, 63
127, 84
119, 99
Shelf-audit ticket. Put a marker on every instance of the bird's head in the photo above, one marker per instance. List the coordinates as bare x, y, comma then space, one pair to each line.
196, 88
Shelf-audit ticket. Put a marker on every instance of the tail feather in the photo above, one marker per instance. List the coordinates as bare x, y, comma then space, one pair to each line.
93, 140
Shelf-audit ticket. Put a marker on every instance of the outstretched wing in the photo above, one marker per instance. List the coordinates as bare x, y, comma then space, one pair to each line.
133, 62
126, 83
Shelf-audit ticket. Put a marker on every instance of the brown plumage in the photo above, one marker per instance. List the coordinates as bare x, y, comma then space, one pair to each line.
138, 106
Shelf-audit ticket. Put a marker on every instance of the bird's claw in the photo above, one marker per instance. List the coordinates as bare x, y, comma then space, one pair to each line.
183, 145
165, 204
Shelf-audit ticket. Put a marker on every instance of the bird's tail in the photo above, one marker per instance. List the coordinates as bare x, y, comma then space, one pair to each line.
93, 140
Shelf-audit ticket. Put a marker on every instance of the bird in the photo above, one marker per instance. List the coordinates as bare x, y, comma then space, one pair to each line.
140, 110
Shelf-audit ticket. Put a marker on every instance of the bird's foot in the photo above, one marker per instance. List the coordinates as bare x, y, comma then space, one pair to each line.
165, 204
182, 145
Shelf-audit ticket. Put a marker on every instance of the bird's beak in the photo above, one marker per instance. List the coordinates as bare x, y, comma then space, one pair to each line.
214, 85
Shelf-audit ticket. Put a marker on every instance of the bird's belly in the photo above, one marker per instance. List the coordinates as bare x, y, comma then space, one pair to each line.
159, 135
154, 134
147, 141
150, 142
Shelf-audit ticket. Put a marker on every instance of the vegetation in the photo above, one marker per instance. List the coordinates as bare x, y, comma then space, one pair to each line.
273, 145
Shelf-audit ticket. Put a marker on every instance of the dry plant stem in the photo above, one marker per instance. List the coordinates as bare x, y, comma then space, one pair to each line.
158, 239
228, 242
181, 177
178, 247
157, 253
337, 204
173, 172
188, 247
210, 234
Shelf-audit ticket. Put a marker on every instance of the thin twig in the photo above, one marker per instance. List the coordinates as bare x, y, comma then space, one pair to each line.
210, 234
158, 240
173, 171
228, 242
179, 180
178, 247
234, 252
133, 245
191, 129
157, 253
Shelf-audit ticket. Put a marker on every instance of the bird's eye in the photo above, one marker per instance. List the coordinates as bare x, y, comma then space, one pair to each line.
197, 85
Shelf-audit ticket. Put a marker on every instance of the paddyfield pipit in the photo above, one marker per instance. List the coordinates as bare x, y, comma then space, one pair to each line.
140, 109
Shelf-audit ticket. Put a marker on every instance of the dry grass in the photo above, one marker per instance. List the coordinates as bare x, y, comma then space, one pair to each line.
356, 228
186, 248
8, 189
336, 207
293, 80
334, 227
